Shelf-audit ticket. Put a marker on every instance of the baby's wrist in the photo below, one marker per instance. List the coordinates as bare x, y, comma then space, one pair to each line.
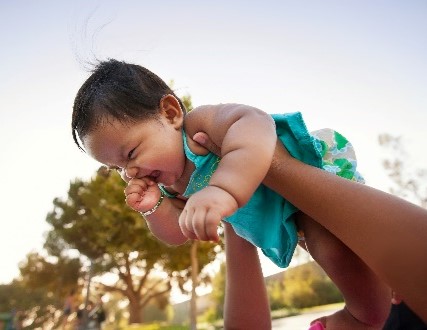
156, 206
225, 190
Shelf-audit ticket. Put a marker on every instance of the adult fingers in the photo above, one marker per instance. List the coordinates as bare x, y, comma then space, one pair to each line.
204, 140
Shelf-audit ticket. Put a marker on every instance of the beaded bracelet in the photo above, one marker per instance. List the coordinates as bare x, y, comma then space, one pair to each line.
162, 196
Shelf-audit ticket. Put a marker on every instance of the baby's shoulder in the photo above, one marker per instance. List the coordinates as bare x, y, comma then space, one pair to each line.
206, 117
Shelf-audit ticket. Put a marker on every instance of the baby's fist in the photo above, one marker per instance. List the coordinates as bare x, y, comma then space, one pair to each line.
142, 194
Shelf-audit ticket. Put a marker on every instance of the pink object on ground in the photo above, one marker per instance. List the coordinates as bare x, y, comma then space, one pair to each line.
317, 326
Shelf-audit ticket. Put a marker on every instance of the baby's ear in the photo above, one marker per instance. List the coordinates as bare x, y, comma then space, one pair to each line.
171, 109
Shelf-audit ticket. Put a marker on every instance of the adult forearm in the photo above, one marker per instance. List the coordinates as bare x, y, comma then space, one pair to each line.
388, 233
246, 301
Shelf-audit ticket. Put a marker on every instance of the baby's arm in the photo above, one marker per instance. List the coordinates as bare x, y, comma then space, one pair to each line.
144, 194
247, 139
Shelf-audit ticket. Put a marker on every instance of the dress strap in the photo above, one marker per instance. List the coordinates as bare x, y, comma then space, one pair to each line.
188, 153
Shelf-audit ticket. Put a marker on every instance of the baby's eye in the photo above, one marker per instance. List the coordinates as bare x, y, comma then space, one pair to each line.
131, 153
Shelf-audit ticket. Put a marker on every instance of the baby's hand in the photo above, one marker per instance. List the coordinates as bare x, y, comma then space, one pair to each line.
204, 211
142, 194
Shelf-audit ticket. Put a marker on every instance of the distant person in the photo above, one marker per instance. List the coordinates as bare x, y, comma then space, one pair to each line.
128, 119
79, 319
98, 312
91, 320
15, 321
69, 306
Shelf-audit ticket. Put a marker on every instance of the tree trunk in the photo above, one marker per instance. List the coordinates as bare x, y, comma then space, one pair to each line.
135, 311
194, 280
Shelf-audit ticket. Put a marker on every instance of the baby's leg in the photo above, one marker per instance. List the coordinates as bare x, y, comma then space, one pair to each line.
367, 299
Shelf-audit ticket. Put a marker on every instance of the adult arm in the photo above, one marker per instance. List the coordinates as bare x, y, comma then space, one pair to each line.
246, 300
387, 232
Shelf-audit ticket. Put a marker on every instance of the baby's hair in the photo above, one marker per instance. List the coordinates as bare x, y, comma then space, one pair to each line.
119, 90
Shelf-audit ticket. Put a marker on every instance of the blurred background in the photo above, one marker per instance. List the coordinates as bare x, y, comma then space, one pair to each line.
356, 66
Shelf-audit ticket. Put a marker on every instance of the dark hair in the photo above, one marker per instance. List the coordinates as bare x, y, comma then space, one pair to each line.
120, 90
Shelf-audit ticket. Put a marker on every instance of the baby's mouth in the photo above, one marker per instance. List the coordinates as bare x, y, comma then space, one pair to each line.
154, 175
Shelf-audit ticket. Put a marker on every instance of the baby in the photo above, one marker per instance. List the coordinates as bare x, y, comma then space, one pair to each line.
129, 119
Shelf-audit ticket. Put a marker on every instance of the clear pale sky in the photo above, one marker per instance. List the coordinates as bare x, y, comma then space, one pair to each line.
358, 66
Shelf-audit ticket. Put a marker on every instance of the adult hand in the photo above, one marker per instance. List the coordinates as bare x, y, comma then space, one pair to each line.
203, 139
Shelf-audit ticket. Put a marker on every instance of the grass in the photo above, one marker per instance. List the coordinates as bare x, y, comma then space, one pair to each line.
155, 326
277, 314
285, 312
322, 308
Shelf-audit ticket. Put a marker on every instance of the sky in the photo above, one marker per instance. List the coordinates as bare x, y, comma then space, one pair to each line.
358, 66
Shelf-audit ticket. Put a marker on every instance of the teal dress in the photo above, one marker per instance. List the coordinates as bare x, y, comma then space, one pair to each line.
267, 220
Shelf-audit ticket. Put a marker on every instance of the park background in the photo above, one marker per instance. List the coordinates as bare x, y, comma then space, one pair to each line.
356, 66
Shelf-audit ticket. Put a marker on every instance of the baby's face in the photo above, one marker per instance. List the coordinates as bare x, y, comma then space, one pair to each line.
150, 148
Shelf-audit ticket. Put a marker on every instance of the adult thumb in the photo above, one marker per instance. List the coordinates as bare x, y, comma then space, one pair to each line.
203, 139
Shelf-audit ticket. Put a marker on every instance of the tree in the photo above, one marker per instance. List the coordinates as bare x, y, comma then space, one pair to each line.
308, 285
33, 307
95, 220
275, 290
194, 281
39, 294
217, 297
56, 275
409, 182
218, 294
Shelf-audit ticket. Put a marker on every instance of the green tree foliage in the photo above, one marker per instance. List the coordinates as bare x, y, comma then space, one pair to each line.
275, 289
39, 294
302, 286
33, 307
307, 285
56, 275
95, 220
218, 293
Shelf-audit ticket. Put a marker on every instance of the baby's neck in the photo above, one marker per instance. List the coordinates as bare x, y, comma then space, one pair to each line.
181, 185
